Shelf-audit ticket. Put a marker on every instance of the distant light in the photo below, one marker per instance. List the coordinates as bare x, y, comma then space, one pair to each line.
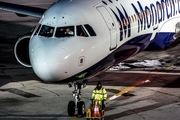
147, 81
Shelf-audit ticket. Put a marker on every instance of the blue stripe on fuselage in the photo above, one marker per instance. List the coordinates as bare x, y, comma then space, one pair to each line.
161, 41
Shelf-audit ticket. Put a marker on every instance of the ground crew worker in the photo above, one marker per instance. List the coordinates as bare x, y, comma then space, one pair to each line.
99, 93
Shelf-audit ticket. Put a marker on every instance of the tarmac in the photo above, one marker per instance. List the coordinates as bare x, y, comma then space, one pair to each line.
140, 94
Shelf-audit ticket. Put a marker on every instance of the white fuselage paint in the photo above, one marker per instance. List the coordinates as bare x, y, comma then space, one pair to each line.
115, 22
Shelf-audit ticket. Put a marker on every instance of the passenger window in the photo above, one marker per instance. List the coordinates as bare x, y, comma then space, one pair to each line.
46, 31
64, 31
80, 31
90, 30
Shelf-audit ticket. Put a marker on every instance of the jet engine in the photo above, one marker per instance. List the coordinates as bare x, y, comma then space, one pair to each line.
21, 50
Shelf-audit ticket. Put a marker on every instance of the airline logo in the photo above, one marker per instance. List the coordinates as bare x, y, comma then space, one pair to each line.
146, 16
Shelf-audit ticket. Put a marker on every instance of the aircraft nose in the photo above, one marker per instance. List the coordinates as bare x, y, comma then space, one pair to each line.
50, 63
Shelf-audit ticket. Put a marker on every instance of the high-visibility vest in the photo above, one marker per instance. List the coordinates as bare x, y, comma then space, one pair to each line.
99, 94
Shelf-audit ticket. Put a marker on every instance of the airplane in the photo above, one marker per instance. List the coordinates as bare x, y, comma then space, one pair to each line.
76, 40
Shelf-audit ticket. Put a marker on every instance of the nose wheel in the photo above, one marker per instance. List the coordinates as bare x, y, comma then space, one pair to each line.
77, 107
71, 108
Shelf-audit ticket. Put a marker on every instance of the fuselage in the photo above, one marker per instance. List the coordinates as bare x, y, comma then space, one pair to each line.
79, 39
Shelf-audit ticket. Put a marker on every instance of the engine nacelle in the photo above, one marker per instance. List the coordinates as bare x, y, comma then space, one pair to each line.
21, 50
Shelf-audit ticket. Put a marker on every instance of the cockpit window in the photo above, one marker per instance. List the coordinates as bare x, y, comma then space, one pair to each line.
46, 31
90, 30
80, 31
64, 31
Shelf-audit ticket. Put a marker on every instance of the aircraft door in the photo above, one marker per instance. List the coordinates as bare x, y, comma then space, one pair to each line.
111, 26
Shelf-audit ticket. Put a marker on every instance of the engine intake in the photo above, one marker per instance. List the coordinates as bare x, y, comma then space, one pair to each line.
21, 50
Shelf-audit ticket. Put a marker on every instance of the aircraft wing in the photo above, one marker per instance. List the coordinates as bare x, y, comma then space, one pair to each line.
22, 10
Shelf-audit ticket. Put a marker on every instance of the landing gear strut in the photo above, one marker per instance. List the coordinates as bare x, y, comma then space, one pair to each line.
77, 107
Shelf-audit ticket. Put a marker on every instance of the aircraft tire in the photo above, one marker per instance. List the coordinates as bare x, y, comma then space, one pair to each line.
81, 108
71, 108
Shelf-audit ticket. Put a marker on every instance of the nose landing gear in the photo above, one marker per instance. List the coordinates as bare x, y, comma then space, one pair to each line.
77, 107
